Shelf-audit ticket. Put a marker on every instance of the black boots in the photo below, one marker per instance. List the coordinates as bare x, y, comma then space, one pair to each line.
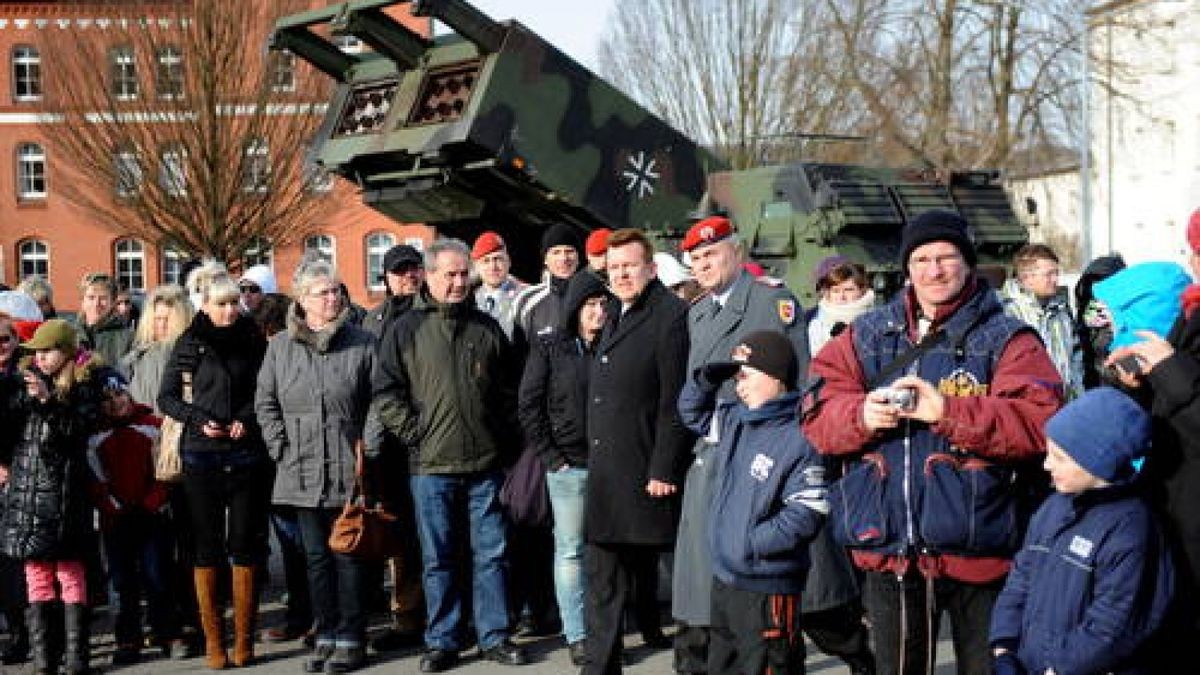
75, 657
38, 620
17, 649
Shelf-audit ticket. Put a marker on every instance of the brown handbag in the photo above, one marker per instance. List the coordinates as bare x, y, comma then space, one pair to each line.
168, 460
364, 531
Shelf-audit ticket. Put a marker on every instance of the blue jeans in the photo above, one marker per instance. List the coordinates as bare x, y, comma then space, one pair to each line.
138, 549
336, 582
566, 488
443, 502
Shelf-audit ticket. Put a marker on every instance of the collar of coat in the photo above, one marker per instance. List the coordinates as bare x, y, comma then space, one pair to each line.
320, 339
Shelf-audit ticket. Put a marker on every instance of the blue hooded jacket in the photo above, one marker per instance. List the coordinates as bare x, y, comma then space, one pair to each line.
1091, 584
770, 496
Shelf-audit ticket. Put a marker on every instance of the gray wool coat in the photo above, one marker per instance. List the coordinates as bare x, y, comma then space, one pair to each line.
313, 394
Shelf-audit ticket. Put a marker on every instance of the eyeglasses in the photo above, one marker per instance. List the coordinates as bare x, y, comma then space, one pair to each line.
332, 291
925, 262
249, 288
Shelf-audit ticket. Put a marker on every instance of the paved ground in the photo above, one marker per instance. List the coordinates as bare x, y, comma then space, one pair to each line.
549, 657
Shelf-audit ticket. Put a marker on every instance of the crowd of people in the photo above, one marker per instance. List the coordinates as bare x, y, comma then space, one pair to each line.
846, 474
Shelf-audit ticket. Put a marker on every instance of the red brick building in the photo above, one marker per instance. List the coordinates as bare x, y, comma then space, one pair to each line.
41, 232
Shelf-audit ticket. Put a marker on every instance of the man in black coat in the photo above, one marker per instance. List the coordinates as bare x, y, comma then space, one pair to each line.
637, 444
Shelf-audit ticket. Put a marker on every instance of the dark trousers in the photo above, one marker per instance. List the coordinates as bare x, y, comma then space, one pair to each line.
691, 650
229, 507
839, 631
285, 522
138, 548
336, 582
531, 563
905, 613
754, 633
610, 571
182, 548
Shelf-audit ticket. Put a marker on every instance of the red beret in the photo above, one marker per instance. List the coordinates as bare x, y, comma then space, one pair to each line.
707, 231
597, 241
1193, 231
488, 242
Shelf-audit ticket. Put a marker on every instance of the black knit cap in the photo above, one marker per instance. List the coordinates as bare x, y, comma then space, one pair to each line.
559, 234
766, 350
937, 225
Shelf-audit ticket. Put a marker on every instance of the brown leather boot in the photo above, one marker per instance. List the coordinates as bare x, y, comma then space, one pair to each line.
245, 605
210, 617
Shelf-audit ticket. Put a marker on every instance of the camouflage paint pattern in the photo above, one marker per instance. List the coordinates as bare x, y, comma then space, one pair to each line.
491, 127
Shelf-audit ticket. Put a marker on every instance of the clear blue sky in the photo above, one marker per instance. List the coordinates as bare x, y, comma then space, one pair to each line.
573, 26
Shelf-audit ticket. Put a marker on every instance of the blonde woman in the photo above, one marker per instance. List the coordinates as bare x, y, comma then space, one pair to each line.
227, 474
168, 313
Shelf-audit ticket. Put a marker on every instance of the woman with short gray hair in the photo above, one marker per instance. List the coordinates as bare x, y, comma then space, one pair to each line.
314, 390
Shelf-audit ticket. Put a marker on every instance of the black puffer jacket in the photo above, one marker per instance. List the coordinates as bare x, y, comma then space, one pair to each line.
45, 512
224, 363
553, 397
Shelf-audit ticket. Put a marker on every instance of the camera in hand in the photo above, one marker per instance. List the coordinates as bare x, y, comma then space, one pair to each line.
901, 398
1130, 364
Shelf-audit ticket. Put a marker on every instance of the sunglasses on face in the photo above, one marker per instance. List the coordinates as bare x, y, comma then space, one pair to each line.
5, 339
249, 288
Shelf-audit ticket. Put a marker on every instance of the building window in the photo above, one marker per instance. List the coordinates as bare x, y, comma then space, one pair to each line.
123, 72
31, 172
131, 264
172, 171
172, 266
319, 246
283, 72
169, 76
258, 252
256, 166
128, 172
316, 177
377, 245
33, 257
26, 73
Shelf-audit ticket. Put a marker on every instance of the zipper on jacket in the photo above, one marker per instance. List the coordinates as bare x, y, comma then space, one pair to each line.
908, 506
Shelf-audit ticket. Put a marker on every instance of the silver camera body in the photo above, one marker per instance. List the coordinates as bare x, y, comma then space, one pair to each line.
901, 398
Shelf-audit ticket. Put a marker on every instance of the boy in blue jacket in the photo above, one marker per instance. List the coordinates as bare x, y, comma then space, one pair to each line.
769, 502
1094, 578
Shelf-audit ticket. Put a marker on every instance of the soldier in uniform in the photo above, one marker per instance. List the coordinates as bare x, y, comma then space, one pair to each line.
498, 290
736, 304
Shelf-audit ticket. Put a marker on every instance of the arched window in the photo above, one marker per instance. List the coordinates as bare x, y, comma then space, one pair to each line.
122, 68
319, 246
172, 260
33, 256
377, 245
31, 171
26, 73
130, 257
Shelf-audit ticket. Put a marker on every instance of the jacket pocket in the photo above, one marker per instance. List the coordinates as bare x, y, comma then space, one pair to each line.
969, 506
858, 513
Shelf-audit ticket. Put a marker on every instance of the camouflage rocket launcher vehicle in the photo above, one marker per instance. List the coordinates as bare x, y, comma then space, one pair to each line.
491, 127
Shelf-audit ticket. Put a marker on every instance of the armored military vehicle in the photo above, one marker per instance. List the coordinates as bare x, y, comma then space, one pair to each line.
491, 127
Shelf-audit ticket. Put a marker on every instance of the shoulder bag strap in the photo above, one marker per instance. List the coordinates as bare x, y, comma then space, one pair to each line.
906, 359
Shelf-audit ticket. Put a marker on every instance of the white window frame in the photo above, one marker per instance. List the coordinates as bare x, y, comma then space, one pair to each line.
256, 166
169, 74
323, 245
129, 256
128, 172
122, 64
171, 263
35, 254
260, 251
31, 172
26, 73
172, 170
376, 246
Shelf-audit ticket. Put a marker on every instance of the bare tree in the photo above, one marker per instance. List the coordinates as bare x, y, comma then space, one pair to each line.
177, 126
734, 74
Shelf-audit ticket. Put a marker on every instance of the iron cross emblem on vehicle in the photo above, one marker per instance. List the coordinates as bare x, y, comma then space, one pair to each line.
641, 174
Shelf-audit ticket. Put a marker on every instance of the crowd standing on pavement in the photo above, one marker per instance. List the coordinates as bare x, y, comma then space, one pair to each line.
1020, 462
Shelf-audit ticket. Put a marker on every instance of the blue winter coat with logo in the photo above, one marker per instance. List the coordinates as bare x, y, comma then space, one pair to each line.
913, 491
770, 497
1091, 584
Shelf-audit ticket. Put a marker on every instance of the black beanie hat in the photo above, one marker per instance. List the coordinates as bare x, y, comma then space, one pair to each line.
559, 234
766, 350
937, 225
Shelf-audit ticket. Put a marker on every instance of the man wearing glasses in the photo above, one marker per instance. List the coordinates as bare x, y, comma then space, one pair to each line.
1033, 297
934, 401
254, 285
